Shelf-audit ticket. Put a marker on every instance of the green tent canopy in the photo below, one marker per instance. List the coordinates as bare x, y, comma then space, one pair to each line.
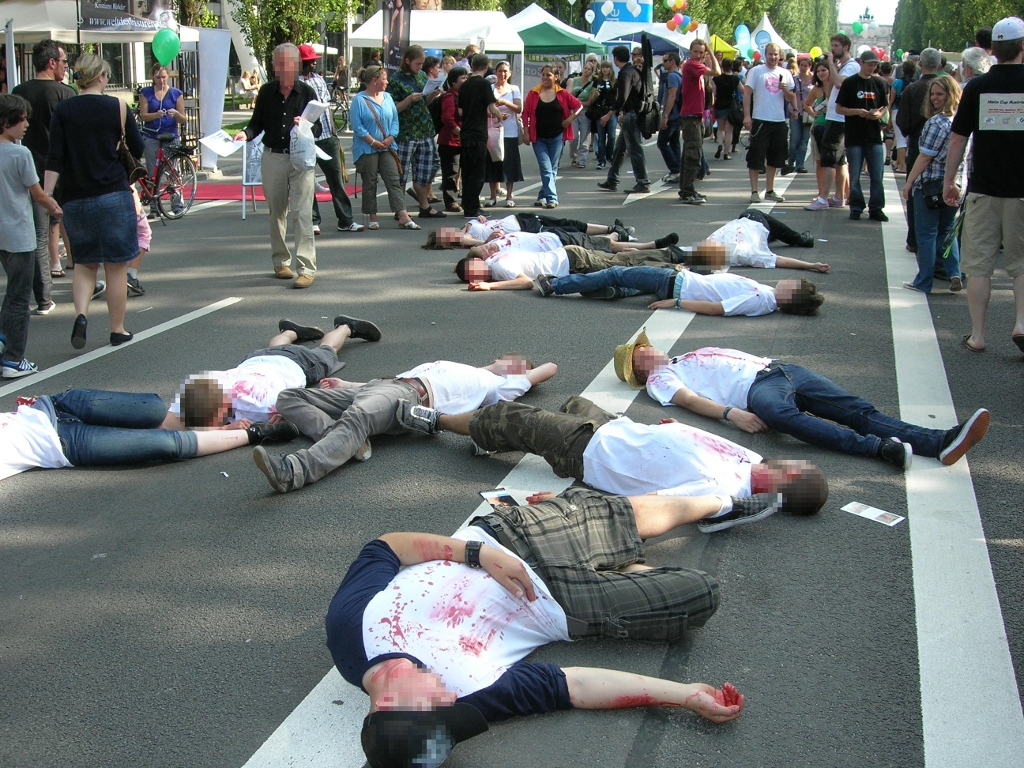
544, 34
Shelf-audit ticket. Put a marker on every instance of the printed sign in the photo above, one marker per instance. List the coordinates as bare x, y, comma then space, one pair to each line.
1001, 112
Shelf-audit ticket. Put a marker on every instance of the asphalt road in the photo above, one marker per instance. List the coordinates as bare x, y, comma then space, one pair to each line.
173, 615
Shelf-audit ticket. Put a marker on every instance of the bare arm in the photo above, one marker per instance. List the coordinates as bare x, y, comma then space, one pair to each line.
541, 373
922, 162
703, 406
784, 262
954, 156
591, 688
43, 199
697, 307
521, 283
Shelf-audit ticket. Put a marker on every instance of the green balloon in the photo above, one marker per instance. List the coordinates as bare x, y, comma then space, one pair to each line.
899, 53
857, 27
165, 46
750, 53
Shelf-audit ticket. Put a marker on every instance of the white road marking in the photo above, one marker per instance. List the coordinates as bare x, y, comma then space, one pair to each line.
88, 357
962, 647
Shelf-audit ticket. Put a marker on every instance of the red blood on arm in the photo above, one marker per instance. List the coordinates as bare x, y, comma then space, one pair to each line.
728, 696
498, 566
640, 700
447, 552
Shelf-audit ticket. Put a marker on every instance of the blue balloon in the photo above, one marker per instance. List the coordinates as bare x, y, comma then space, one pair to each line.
742, 35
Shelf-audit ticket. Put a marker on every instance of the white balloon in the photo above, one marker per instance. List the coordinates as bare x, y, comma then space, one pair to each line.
862, 48
607, 7
589, 16
634, 9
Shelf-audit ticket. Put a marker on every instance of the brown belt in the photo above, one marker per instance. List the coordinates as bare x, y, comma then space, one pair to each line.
420, 389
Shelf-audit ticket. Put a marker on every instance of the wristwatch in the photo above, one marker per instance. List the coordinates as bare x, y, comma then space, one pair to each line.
473, 553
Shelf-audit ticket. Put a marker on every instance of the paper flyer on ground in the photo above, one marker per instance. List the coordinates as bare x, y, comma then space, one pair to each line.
504, 497
221, 143
873, 513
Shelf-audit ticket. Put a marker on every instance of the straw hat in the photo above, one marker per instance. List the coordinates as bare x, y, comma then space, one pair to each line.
624, 360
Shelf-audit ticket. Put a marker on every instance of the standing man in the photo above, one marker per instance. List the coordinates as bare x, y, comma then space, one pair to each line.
995, 202
416, 147
289, 192
670, 86
833, 151
864, 100
331, 145
697, 72
769, 86
627, 101
43, 93
910, 119
476, 101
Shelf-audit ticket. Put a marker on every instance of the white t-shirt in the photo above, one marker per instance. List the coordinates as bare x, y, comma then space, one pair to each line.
721, 375
670, 459
543, 242
739, 295
458, 621
850, 68
746, 241
769, 87
28, 440
482, 230
508, 265
457, 388
254, 385
509, 124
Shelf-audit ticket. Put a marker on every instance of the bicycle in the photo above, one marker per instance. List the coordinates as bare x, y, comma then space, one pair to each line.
173, 182
339, 112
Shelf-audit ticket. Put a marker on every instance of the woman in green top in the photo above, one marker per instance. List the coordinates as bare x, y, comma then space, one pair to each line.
582, 88
815, 105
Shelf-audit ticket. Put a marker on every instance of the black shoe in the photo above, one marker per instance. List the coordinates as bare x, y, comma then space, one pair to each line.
608, 293
117, 339
135, 287
628, 231
855, 215
877, 216
718, 153
788, 169
641, 188
749, 509
611, 186
361, 329
302, 332
277, 469
664, 242
430, 213
99, 290
263, 432
964, 436
806, 240
897, 453
417, 418
542, 284
78, 331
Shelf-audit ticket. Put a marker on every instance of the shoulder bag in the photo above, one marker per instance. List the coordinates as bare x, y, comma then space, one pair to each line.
133, 169
391, 149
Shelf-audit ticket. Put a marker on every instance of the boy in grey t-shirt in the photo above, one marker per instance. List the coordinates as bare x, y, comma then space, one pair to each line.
19, 186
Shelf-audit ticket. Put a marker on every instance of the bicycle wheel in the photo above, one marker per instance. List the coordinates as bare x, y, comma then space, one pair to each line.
176, 186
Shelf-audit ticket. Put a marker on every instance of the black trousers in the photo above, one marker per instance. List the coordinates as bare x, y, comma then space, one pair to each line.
776, 229
450, 160
332, 172
474, 170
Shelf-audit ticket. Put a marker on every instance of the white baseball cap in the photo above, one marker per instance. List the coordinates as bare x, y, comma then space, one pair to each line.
1010, 28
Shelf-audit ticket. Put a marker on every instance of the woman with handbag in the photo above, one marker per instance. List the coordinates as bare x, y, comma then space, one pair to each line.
510, 104
93, 146
724, 87
932, 217
547, 118
602, 96
374, 118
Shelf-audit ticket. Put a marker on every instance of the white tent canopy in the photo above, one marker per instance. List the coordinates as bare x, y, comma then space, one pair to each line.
36, 20
766, 25
533, 15
447, 29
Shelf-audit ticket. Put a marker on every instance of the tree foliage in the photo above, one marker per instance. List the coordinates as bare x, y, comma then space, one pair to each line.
266, 24
948, 26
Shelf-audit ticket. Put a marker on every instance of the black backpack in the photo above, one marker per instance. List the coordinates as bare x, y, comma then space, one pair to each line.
649, 112
434, 108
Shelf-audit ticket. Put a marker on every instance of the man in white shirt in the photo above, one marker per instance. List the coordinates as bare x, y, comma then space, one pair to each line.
766, 90
744, 242
618, 455
341, 416
481, 229
758, 393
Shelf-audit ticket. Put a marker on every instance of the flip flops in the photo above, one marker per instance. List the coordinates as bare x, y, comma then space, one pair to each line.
57, 273
966, 342
411, 225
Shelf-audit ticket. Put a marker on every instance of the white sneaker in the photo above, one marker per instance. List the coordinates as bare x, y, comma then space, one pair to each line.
671, 178
316, 229
353, 227
19, 369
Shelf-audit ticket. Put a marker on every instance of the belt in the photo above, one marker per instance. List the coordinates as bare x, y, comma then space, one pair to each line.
774, 365
420, 389
491, 524
276, 151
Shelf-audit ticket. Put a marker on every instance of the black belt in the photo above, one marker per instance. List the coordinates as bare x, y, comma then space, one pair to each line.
774, 365
492, 526
420, 389
276, 151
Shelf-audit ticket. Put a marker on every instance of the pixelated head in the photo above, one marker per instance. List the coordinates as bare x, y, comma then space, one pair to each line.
443, 239
798, 297
624, 362
203, 403
513, 364
471, 270
708, 254
803, 486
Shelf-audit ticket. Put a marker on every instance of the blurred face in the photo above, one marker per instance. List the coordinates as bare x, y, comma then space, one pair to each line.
646, 359
512, 365
476, 270
785, 290
449, 235
710, 254
938, 97
486, 250
407, 687
767, 478
416, 64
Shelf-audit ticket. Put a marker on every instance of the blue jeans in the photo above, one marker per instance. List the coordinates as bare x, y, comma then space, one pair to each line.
931, 228
548, 152
20, 269
668, 145
630, 141
635, 280
799, 133
605, 138
102, 428
874, 154
798, 402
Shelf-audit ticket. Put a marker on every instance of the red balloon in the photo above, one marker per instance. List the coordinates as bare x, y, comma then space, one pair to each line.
757, 55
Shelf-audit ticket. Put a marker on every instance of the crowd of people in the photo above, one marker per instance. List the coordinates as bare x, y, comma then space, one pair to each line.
441, 661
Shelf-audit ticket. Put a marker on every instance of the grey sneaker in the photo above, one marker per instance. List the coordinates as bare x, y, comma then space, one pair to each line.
749, 509
417, 418
542, 284
897, 453
277, 469
755, 197
135, 287
774, 196
99, 290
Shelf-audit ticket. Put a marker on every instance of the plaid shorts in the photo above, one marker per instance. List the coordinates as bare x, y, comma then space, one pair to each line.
420, 157
577, 541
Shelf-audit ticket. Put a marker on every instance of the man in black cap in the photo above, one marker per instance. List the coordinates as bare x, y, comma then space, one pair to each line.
435, 628
864, 101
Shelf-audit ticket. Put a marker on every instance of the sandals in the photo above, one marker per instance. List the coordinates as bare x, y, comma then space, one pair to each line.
373, 225
490, 203
966, 342
410, 224
510, 204
57, 273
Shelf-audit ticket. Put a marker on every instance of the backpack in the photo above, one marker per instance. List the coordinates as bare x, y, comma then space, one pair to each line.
434, 108
736, 108
649, 112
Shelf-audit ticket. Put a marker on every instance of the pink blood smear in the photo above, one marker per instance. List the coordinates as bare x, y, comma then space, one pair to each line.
476, 645
452, 614
642, 700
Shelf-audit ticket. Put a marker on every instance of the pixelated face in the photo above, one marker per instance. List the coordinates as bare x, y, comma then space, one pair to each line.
407, 687
780, 472
512, 365
476, 271
709, 254
786, 291
646, 359
449, 235
286, 65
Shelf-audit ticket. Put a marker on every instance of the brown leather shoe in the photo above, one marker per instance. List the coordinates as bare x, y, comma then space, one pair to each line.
284, 273
303, 281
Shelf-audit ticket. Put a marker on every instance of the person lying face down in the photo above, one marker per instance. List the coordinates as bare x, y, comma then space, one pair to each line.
759, 393
715, 294
435, 628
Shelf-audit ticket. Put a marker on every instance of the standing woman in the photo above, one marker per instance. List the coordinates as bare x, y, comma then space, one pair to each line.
449, 145
510, 104
547, 119
339, 84
99, 212
816, 105
374, 128
925, 180
724, 87
162, 110
602, 96
582, 89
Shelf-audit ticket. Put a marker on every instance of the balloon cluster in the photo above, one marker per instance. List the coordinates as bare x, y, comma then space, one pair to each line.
165, 46
633, 6
679, 22
857, 27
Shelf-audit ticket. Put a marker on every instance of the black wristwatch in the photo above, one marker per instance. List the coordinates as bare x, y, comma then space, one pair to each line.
473, 553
